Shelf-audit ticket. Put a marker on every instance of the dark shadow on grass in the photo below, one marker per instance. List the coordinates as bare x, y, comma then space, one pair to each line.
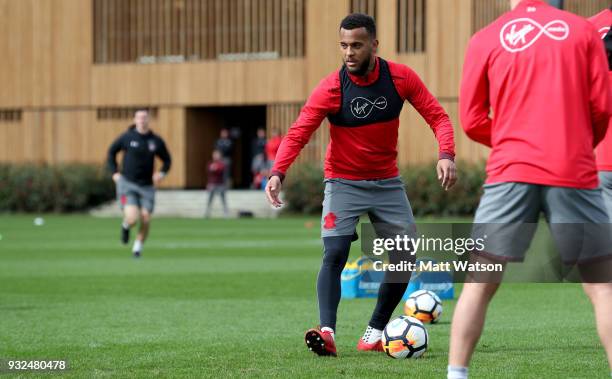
438, 323
18, 308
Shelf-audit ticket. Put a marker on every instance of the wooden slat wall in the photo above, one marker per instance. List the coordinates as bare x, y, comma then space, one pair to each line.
586, 8
78, 136
282, 116
411, 30
47, 52
57, 70
178, 30
486, 11
364, 6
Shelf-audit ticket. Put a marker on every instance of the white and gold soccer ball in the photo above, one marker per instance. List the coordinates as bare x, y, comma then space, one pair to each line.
424, 305
405, 337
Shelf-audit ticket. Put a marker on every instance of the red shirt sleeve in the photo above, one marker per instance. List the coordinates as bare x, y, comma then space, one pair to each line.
600, 99
410, 87
324, 100
474, 102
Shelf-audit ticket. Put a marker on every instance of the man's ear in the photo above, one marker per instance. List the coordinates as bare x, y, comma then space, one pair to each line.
374, 45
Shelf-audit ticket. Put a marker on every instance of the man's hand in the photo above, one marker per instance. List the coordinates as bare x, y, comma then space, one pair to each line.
116, 177
447, 173
158, 176
273, 189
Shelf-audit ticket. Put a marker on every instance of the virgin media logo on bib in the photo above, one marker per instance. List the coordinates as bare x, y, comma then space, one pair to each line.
519, 34
362, 107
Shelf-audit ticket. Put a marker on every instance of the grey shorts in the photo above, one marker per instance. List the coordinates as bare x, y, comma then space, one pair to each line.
605, 183
508, 216
130, 193
384, 201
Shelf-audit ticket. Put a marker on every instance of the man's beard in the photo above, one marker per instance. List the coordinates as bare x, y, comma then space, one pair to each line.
363, 69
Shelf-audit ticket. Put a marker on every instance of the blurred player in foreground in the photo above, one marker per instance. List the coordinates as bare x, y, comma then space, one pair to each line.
602, 22
543, 72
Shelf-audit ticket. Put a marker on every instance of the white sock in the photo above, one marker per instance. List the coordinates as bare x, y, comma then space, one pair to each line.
371, 335
328, 329
137, 246
457, 372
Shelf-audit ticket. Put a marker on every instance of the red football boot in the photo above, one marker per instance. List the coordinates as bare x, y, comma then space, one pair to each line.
376, 346
320, 343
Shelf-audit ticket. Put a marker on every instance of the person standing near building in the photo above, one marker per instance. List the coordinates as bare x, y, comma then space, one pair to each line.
258, 146
135, 180
260, 165
216, 183
272, 146
225, 146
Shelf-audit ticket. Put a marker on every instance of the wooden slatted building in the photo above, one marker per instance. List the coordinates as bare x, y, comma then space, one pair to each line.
73, 71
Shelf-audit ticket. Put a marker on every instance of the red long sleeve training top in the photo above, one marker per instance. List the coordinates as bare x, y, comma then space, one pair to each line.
368, 150
544, 73
602, 22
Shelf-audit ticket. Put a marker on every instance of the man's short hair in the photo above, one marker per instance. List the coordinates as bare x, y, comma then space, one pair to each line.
141, 110
359, 20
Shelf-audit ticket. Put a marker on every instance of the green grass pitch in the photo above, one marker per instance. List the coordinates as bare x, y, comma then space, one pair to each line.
232, 298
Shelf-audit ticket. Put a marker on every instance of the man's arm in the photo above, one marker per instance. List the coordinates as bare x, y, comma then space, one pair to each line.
164, 155
429, 108
111, 159
474, 102
325, 99
432, 112
600, 99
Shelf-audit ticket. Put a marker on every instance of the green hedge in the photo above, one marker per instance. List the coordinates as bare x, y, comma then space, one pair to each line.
59, 188
304, 190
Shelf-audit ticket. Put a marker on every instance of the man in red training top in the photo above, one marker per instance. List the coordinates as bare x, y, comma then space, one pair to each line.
362, 102
272, 145
602, 22
543, 73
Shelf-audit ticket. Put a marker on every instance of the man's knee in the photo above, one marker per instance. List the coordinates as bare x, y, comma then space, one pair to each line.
484, 291
598, 291
145, 217
336, 251
130, 214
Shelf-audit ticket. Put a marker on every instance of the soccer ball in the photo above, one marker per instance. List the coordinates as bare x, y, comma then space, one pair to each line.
424, 305
405, 337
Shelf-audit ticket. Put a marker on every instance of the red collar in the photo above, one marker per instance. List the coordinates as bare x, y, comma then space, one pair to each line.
525, 3
369, 78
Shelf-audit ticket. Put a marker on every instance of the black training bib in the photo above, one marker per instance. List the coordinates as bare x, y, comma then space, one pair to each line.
365, 105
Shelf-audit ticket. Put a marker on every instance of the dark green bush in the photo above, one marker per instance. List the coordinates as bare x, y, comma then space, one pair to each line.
304, 190
428, 198
58, 188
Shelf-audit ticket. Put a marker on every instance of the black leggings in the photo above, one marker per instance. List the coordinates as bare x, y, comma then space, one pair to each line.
336, 252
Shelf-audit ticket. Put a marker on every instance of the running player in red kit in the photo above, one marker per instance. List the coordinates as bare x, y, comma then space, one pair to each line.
543, 74
602, 22
362, 102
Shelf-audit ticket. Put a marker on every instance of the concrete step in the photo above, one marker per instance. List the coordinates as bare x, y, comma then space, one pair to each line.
192, 203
